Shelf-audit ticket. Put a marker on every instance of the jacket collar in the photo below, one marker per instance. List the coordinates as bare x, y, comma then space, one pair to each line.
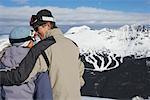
53, 32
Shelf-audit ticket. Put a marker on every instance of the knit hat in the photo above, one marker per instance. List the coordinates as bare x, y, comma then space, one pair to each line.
41, 18
21, 36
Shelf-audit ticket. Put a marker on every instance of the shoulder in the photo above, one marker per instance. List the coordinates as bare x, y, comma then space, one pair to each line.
3, 51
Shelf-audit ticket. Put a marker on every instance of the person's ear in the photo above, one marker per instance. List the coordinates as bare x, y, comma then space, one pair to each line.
50, 25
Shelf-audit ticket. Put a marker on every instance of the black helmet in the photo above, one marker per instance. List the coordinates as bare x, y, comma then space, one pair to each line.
41, 18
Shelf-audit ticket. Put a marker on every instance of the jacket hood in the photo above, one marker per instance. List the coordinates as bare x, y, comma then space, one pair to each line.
13, 56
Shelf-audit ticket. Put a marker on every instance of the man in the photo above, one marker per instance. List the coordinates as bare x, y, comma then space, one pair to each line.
65, 66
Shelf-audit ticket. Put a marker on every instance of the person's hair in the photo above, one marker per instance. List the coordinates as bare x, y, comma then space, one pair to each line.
53, 25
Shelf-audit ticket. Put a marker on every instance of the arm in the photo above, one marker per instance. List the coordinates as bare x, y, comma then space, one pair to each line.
21, 73
81, 66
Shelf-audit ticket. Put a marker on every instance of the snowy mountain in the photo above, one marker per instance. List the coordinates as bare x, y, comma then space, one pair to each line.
125, 41
111, 45
115, 60
136, 28
129, 40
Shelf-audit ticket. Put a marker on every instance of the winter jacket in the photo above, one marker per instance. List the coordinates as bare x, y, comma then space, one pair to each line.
66, 68
11, 58
43, 90
22, 72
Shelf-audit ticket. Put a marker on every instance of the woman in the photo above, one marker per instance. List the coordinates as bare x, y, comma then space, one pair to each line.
22, 39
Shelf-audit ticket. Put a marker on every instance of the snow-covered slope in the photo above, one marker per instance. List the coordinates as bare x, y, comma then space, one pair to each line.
125, 41
4, 42
94, 98
128, 40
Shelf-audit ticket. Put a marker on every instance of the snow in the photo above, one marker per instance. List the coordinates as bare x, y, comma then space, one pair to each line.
94, 98
128, 40
125, 41
4, 42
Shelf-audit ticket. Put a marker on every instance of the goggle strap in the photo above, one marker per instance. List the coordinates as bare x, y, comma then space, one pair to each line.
46, 18
20, 40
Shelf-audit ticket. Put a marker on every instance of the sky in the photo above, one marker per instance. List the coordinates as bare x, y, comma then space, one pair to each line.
121, 5
73, 12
